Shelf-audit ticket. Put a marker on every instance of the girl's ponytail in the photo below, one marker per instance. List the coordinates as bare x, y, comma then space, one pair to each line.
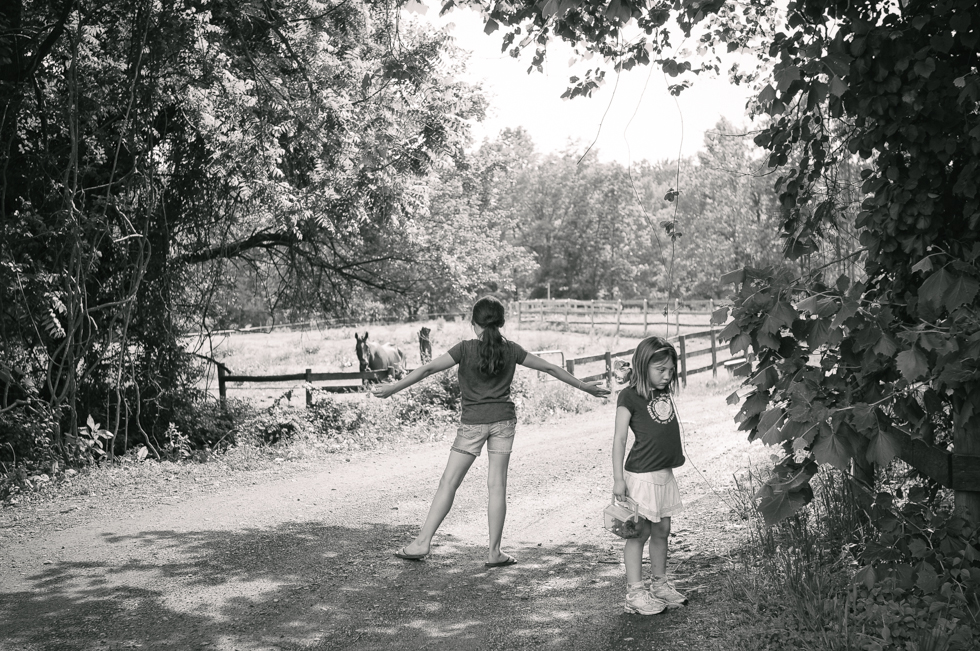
488, 313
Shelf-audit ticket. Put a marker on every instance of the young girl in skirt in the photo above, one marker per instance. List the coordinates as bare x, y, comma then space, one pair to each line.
486, 370
647, 408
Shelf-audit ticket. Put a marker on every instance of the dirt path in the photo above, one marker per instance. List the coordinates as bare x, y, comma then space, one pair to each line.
305, 562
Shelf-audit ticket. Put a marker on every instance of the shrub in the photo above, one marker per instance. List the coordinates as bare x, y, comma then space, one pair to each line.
548, 399
918, 589
207, 424
435, 399
25, 436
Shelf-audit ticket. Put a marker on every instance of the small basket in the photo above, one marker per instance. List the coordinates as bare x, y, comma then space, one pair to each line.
622, 518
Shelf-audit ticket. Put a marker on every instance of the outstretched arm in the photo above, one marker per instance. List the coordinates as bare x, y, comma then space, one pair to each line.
619, 451
557, 372
440, 363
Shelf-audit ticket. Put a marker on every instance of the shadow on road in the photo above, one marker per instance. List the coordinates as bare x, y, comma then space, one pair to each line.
306, 585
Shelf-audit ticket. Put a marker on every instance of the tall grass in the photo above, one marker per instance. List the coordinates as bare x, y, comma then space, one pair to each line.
795, 581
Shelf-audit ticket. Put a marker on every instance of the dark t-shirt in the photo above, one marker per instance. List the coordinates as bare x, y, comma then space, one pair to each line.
657, 433
485, 398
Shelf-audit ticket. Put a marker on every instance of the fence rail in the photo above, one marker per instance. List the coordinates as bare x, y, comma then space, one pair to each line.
316, 324
734, 364
644, 313
308, 377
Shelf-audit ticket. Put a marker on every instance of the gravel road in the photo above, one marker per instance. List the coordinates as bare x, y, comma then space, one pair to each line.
303, 560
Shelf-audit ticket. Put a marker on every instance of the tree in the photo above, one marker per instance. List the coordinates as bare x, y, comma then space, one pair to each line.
149, 149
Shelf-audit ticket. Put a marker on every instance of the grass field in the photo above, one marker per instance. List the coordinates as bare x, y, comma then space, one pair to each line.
332, 350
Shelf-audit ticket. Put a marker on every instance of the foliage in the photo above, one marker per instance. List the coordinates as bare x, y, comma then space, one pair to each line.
917, 589
206, 424
595, 228
90, 443
152, 151
897, 353
25, 437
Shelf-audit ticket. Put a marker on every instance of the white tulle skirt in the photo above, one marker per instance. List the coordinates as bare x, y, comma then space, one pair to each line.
655, 492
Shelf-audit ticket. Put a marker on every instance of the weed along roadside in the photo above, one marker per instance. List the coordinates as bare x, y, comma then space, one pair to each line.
291, 548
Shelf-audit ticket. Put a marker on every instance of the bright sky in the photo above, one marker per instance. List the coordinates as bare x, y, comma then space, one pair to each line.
638, 124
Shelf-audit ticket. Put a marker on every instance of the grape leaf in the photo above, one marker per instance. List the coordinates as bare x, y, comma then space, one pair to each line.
740, 344
736, 277
912, 363
933, 290
867, 576
808, 304
730, 330
864, 417
885, 345
924, 265
883, 447
776, 506
830, 447
962, 290
769, 426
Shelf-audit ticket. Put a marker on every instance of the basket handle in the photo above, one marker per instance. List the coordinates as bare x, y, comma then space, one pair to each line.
628, 501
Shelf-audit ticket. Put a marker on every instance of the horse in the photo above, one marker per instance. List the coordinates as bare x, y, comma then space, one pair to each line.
378, 357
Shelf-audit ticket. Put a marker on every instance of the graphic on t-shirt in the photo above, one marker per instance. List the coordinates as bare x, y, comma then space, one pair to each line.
660, 408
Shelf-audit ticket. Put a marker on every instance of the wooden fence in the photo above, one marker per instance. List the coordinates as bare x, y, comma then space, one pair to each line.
643, 313
308, 377
684, 355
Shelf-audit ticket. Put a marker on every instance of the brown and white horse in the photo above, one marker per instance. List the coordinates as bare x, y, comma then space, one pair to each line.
378, 357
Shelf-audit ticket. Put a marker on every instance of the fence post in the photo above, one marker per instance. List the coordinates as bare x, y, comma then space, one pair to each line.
645, 306
714, 353
518, 314
609, 372
541, 308
425, 345
677, 317
619, 319
568, 305
592, 312
570, 366
309, 380
682, 353
222, 387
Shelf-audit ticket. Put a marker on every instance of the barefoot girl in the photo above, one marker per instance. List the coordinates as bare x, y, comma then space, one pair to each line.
646, 407
486, 370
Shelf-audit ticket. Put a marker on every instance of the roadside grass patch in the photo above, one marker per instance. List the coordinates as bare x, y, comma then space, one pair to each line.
857, 572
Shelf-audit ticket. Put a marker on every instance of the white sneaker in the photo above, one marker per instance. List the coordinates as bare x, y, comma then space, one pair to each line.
642, 602
663, 590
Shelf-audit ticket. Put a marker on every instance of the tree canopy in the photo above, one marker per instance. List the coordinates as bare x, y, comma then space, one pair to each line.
150, 150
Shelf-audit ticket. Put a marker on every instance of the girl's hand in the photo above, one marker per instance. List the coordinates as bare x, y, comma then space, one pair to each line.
596, 390
383, 390
619, 489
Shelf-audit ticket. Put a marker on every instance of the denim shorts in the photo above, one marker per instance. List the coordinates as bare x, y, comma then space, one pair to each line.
499, 437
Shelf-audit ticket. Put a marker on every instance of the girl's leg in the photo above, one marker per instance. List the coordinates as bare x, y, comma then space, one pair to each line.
660, 587
633, 554
659, 531
456, 469
496, 503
